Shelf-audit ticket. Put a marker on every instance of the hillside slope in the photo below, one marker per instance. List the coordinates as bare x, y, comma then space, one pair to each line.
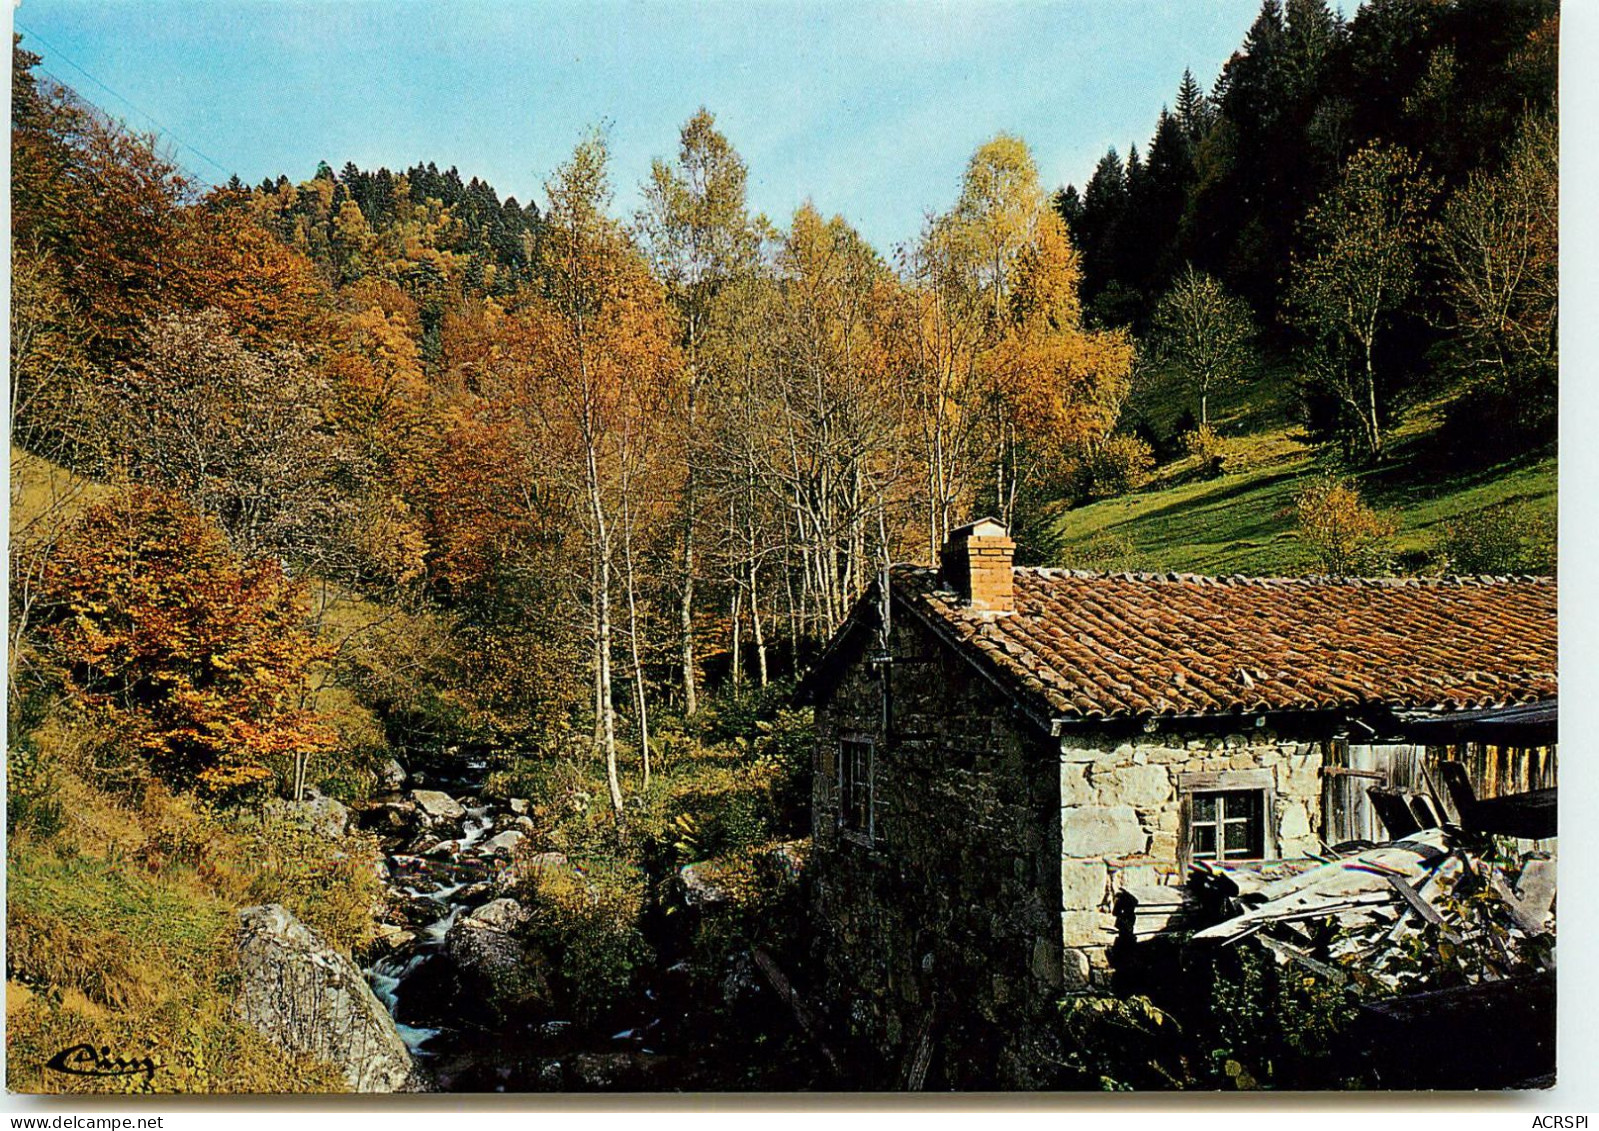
1243, 520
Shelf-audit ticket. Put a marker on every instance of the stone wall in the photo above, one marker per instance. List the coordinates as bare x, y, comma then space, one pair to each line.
985, 895
947, 924
1121, 819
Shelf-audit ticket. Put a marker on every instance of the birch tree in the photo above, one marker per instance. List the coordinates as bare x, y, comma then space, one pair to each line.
599, 355
1006, 378
699, 238
1498, 246
1205, 333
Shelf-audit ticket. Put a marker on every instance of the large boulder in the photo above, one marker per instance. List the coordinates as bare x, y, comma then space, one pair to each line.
393, 820
503, 844
304, 997
501, 915
438, 806
494, 964
323, 815
391, 776
700, 888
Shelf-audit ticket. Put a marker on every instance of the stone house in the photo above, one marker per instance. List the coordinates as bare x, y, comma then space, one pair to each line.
1001, 751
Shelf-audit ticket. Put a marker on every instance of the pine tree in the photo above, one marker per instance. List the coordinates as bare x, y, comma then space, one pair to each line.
1069, 207
1104, 202
1193, 108
1312, 34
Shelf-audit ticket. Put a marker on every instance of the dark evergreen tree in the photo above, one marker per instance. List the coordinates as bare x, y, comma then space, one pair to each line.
1104, 201
1069, 207
1193, 108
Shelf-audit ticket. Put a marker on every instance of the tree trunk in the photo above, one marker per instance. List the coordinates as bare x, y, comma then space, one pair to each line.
632, 632
1373, 426
736, 667
755, 624
602, 635
686, 608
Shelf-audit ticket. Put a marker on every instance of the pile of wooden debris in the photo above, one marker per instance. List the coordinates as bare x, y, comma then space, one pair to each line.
1438, 931
1432, 910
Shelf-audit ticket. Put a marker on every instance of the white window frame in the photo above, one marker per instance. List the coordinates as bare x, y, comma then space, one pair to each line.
1262, 782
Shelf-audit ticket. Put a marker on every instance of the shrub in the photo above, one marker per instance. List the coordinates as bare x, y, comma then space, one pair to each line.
1343, 534
586, 919
32, 791
1118, 1044
1206, 447
1501, 539
1276, 1027
763, 906
1116, 465
164, 634
783, 748
331, 886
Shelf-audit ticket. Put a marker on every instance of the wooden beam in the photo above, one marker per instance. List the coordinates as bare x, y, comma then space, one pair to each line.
784, 989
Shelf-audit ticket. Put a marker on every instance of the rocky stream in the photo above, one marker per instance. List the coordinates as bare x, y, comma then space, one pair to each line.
475, 1002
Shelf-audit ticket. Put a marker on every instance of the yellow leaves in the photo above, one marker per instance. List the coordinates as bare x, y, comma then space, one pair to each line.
1048, 275
1343, 534
388, 537
1062, 387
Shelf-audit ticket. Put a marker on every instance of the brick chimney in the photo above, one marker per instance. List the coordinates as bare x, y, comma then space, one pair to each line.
976, 564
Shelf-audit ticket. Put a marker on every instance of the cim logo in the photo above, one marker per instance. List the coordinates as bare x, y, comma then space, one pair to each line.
1560, 1121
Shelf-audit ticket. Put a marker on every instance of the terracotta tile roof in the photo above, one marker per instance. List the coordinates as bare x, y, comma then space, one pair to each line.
1131, 645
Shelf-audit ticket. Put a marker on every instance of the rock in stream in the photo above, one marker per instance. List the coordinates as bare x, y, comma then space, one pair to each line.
305, 997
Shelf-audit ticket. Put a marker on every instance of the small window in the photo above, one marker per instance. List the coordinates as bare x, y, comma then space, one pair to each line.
855, 788
1228, 824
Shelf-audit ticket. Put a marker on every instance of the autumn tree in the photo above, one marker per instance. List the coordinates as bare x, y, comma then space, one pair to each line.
1342, 533
224, 260
700, 239
1366, 240
597, 360
833, 410
236, 432
53, 405
1009, 379
996, 216
1205, 333
194, 657
97, 198
1059, 389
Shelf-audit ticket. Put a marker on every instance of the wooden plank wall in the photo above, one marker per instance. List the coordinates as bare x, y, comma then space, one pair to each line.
1499, 770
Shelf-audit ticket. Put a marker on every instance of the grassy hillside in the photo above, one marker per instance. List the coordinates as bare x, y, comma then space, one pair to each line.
121, 894
1243, 520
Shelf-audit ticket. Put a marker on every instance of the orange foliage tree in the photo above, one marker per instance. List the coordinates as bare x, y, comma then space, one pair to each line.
196, 658
97, 198
225, 260
1010, 383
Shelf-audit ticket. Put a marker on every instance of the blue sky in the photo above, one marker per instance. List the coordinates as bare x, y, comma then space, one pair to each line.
868, 108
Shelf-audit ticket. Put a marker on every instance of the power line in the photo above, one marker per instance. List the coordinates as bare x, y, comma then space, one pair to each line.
126, 101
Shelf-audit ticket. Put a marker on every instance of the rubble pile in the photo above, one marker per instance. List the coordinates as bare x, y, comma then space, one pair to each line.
1435, 910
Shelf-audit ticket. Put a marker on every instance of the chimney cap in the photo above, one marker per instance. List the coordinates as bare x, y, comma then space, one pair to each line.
986, 527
